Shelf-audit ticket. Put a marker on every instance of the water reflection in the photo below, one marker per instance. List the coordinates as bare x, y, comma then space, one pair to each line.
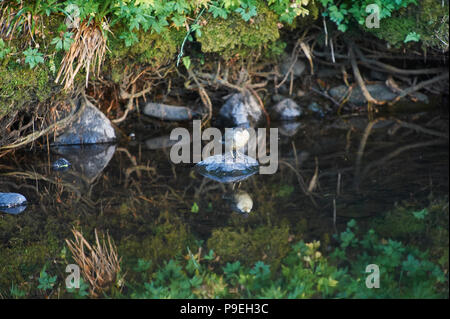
326, 168
12, 203
87, 161
228, 168
13, 210
240, 202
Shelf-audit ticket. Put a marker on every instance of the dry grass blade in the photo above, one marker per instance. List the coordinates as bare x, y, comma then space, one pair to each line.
87, 51
99, 264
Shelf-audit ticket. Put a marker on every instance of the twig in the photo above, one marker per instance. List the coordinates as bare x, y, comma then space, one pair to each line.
420, 85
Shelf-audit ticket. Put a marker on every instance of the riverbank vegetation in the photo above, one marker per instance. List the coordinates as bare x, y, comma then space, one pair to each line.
199, 270
121, 51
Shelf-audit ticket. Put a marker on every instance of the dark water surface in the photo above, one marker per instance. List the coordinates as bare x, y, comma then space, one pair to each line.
133, 188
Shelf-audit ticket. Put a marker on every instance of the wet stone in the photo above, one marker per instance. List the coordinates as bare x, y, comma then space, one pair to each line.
241, 109
317, 109
228, 168
287, 109
168, 112
91, 127
379, 92
12, 203
297, 69
61, 164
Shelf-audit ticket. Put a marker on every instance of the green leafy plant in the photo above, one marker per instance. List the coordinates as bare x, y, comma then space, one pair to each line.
64, 42
412, 36
343, 13
194, 208
46, 281
33, 57
4, 49
16, 292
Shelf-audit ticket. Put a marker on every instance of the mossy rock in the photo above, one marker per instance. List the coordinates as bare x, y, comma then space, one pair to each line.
21, 86
265, 243
236, 36
154, 49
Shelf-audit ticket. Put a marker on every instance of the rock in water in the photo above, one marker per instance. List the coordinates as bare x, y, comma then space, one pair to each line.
287, 109
12, 203
60, 164
92, 127
379, 92
298, 68
168, 112
228, 168
241, 109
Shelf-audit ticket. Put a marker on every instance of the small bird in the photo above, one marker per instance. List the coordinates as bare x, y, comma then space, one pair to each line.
236, 138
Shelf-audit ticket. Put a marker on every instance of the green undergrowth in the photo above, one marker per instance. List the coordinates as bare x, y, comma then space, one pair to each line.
251, 262
401, 22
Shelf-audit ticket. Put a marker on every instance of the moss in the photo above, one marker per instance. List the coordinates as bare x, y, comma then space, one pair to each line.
152, 49
234, 35
429, 19
164, 242
269, 244
21, 263
20, 86
429, 231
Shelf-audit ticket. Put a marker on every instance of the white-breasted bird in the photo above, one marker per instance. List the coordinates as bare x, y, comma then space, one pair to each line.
236, 138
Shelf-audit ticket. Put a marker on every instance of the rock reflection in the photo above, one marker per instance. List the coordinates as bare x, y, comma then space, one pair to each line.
228, 168
88, 161
12, 203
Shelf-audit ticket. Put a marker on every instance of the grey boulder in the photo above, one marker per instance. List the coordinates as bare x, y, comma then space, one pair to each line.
297, 68
379, 92
241, 109
91, 127
287, 109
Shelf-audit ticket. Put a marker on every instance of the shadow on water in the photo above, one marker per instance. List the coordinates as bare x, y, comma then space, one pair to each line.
329, 171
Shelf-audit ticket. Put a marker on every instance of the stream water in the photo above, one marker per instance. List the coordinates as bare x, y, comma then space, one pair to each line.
132, 189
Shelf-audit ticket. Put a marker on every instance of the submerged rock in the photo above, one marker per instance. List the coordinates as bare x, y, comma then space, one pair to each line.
168, 112
287, 109
92, 127
162, 142
379, 92
241, 109
228, 168
12, 203
61, 164
317, 109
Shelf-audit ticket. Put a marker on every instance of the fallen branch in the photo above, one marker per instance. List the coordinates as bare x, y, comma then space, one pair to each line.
74, 114
419, 86
360, 80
